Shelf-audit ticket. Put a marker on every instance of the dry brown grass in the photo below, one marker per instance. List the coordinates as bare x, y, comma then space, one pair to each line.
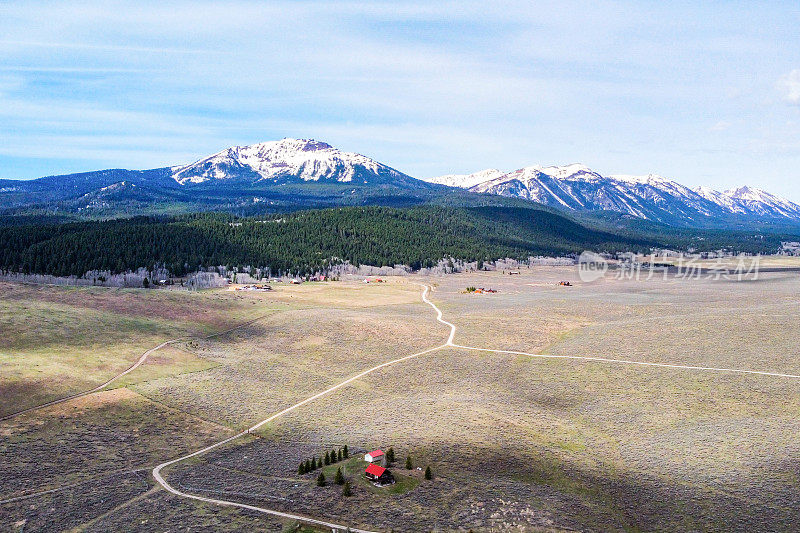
531, 444
516, 443
57, 341
80, 439
291, 355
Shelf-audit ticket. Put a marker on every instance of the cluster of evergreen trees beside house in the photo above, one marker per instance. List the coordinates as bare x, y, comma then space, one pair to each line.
305, 242
331, 457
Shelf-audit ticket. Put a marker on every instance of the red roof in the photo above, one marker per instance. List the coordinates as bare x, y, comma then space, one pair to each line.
376, 453
375, 470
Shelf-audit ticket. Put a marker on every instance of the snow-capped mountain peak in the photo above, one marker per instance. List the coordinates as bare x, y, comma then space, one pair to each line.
573, 170
749, 193
285, 160
762, 203
720, 198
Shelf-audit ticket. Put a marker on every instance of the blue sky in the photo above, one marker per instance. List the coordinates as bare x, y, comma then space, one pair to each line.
701, 92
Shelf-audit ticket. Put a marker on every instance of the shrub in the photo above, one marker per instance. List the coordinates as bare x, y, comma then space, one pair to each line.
291, 527
390, 455
428, 473
409, 464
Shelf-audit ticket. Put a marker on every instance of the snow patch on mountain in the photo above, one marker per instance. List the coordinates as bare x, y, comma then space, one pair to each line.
762, 202
575, 171
720, 198
465, 181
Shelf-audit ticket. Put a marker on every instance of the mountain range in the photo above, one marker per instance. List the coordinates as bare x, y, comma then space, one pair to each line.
293, 174
576, 187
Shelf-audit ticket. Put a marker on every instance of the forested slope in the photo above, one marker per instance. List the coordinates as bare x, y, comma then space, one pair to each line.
307, 241
299, 242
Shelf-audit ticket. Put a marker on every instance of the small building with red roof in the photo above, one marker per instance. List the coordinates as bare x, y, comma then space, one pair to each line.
374, 457
378, 474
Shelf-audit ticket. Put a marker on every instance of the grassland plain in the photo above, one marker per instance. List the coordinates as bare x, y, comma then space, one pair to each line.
82, 445
534, 444
516, 443
57, 341
529, 444
291, 355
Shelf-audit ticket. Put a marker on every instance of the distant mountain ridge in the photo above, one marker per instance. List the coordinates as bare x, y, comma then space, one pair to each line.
292, 174
576, 187
288, 174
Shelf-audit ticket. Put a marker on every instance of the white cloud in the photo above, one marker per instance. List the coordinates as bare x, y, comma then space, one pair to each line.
789, 85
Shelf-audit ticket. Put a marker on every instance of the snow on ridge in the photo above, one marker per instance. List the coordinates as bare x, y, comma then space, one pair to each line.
576, 186
465, 181
647, 179
751, 200
720, 198
573, 186
573, 170
750, 193
763, 202
307, 159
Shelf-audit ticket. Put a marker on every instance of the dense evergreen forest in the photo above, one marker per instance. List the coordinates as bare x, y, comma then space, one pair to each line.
308, 241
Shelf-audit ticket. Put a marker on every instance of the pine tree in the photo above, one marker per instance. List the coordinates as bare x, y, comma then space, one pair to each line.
333, 456
340, 454
307, 467
390, 455
321, 480
346, 490
302, 468
409, 465
339, 479
314, 465
345, 452
428, 473
327, 458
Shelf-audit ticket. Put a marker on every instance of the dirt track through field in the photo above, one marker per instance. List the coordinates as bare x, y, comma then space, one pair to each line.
628, 362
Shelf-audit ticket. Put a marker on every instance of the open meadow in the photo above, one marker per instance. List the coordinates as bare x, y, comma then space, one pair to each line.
515, 442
